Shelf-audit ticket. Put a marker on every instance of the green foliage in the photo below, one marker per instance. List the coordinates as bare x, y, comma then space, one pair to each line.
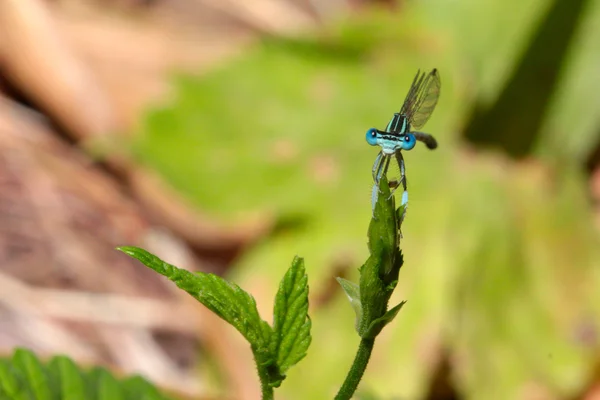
379, 323
25, 377
378, 279
291, 324
499, 248
225, 299
275, 349
379, 274
514, 121
352, 291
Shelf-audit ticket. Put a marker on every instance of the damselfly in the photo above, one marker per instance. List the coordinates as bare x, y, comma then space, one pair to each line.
418, 106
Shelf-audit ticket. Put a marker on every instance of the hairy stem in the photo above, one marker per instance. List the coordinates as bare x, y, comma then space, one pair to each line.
265, 389
357, 370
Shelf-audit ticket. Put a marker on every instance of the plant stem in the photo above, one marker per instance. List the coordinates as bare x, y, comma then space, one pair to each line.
267, 391
357, 370
265, 388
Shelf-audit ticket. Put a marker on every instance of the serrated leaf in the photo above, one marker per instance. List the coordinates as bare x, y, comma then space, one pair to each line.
12, 383
34, 374
225, 299
137, 387
378, 324
108, 386
379, 275
374, 295
352, 291
25, 377
383, 229
291, 324
384, 232
69, 381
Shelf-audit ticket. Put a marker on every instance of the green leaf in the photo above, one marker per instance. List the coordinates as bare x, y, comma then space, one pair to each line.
64, 373
25, 377
225, 299
34, 374
379, 274
384, 229
12, 384
291, 324
108, 386
137, 387
378, 324
352, 290
374, 294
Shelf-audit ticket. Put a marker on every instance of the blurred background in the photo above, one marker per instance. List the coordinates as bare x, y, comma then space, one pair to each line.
228, 136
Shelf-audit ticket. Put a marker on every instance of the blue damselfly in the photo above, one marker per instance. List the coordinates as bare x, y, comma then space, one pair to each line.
418, 106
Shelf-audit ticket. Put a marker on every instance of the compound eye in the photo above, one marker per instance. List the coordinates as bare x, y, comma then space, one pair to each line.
408, 141
371, 136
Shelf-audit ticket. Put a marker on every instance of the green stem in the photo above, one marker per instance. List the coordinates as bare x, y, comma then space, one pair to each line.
265, 388
357, 370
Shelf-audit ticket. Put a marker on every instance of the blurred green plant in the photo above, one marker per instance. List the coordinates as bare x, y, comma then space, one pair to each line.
23, 376
510, 247
515, 120
279, 347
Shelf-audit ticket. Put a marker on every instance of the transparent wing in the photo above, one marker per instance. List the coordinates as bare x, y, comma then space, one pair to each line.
412, 93
422, 98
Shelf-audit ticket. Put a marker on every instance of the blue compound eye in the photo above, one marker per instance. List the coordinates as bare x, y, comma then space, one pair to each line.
372, 136
408, 141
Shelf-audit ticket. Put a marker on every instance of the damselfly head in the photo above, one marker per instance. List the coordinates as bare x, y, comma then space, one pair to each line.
390, 142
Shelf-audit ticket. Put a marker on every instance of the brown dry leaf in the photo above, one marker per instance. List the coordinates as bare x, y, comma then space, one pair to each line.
38, 61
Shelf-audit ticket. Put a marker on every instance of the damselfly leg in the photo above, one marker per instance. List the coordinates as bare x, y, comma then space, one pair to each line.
402, 182
381, 167
377, 166
404, 201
